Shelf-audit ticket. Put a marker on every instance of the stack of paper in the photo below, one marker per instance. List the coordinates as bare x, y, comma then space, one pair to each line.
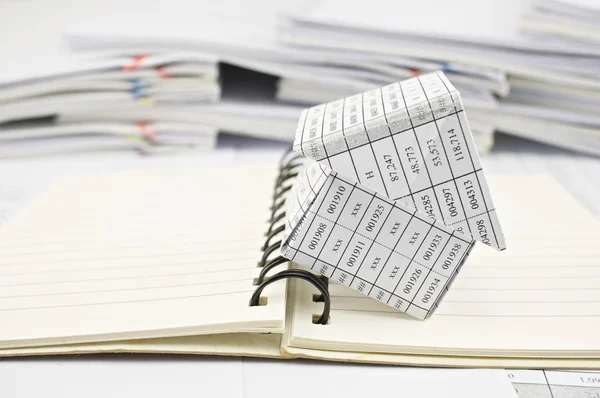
553, 89
40, 80
30, 106
283, 79
545, 88
573, 21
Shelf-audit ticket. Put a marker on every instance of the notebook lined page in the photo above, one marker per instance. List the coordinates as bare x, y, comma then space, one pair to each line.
540, 297
137, 255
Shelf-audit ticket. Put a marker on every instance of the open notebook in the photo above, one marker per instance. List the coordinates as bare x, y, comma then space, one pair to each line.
165, 262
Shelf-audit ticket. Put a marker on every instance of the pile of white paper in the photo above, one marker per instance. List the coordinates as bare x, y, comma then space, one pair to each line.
31, 105
573, 22
146, 75
41, 80
544, 87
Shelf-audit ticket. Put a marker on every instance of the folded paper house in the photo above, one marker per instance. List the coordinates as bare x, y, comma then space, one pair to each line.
394, 196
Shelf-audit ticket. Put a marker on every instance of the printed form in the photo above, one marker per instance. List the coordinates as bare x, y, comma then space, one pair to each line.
395, 195
555, 383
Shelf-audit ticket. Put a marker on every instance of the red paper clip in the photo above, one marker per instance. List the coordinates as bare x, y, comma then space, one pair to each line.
414, 72
147, 132
163, 73
135, 63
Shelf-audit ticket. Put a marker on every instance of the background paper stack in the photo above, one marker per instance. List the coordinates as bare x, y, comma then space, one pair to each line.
553, 88
152, 71
265, 83
30, 108
155, 90
41, 79
572, 22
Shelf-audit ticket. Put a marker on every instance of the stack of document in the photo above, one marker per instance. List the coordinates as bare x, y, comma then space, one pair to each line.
282, 79
553, 90
159, 90
41, 80
572, 21
31, 105
160, 73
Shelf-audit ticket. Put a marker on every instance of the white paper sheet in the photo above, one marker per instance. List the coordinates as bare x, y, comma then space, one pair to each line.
121, 377
296, 379
153, 377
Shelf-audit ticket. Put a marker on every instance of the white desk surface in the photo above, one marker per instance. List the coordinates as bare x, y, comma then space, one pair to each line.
154, 376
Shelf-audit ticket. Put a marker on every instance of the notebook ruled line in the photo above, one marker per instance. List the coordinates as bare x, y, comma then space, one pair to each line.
124, 256
93, 244
127, 301
133, 289
76, 239
126, 278
120, 267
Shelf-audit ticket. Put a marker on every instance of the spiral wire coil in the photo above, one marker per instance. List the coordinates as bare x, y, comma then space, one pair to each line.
288, 166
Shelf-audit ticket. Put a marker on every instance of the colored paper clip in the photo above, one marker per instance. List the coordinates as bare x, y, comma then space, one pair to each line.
163, 73
146, 131
137, 90
135, 137
135, 63
146, 101
446, 67
414, 71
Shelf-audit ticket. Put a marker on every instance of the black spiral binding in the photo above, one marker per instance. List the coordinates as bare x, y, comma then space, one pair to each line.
288, 166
